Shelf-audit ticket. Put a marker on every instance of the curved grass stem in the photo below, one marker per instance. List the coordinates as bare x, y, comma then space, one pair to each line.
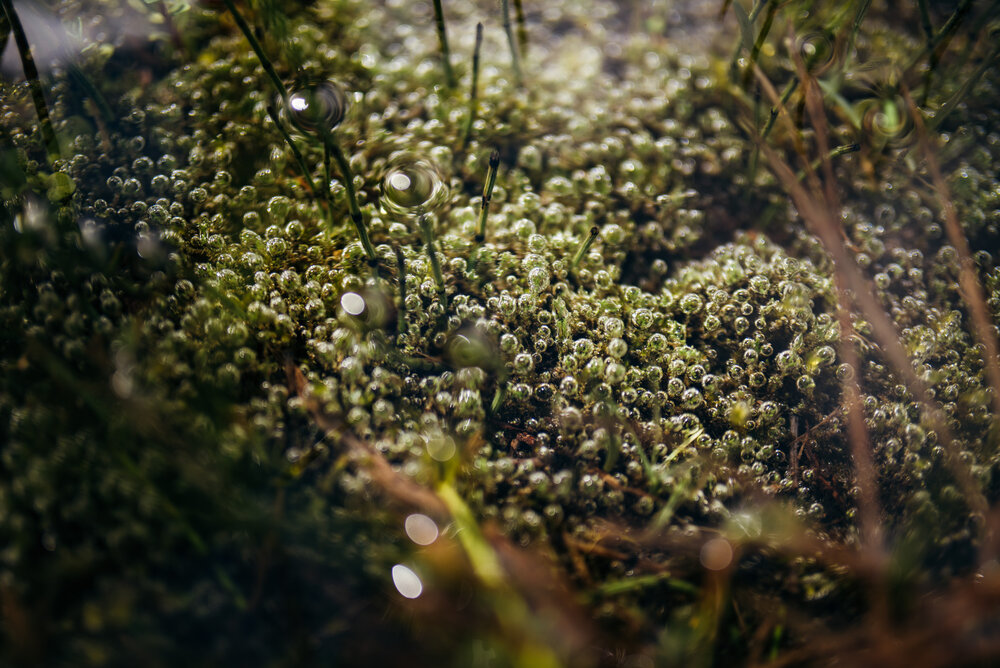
428, 233
34, 83
265, 62
473, 89
272, 112
332, 149
515, 57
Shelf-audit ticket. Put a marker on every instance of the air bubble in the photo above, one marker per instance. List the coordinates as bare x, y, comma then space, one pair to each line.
317, 108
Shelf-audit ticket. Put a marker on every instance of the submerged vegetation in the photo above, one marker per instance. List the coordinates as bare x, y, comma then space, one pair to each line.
586, 340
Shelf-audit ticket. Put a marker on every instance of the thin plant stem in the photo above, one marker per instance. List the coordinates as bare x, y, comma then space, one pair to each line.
772, 117
831, 155
168, 20
755, 12
100, 102
952, 102
755, 155
855, 27
761, 36
352, 199
925, 20
265, 62
401, 282
584, 247
785, 96
484, 207
428, 233
34, 83
327, 178
750, 18
925, 23
522, 31
942, 35
449, 74
514, 57
473, 88
864, 464
971, 288
294, 149
498, 397
4, 30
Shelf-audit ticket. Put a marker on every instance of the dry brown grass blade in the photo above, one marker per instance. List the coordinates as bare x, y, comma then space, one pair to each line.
821, 223
971, 288
861, 453
817, 216
953, 628
398, 487
781, 110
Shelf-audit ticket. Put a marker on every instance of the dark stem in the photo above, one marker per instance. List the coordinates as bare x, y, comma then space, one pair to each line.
491, 180
474, 89
4, 31
175, 34
257, 49
401, 280
428, 233
785, 95
31, 74
584, 247
761, 36
443, 37
515, 59
956, 98
522, 31
942, 37
352, 198
295, 149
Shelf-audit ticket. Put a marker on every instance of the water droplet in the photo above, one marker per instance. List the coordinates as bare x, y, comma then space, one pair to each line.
421, 529
412, 186
352, 303
317, 108
470, 347
407, 582
716, 554
441, 447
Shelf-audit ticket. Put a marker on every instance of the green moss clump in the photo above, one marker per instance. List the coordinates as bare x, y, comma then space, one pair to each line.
216, 414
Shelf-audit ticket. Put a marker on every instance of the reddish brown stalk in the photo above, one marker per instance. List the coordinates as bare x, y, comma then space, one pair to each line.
969, 285
817, 114
778, 107
861, 453
818, 218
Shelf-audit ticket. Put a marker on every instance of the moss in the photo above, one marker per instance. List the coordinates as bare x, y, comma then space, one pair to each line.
216, 412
